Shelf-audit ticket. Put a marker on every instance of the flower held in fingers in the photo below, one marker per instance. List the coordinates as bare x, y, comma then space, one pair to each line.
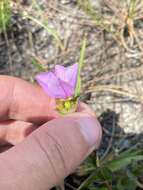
61, 84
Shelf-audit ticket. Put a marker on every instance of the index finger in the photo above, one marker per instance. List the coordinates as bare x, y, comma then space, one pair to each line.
21, 100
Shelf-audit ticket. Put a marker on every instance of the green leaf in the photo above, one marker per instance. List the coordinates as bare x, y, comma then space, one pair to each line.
122, 162
38, 65
125, 183
98, 188
89, 180
133, 151
80, 64
132, 6
5, 15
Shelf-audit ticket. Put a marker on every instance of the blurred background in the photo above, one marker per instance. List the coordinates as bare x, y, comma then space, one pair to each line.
44, 33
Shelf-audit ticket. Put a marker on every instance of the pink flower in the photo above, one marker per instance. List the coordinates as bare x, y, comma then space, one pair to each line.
59, 83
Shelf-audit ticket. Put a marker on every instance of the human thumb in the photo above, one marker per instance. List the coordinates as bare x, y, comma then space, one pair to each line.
50, 153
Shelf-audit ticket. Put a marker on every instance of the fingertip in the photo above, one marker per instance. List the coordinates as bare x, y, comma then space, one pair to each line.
51, 152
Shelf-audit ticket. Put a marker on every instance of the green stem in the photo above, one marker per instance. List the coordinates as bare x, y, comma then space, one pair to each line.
80, 64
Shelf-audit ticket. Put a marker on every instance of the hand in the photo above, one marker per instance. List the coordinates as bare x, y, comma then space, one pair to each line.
43, 157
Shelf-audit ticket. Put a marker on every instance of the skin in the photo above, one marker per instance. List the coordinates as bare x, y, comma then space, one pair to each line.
39, 148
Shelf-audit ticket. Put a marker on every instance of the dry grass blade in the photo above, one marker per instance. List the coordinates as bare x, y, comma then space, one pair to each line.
115, 89
50, 30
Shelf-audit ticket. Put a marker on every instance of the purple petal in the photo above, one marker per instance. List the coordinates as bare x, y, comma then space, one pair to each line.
53, 86
67, 74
